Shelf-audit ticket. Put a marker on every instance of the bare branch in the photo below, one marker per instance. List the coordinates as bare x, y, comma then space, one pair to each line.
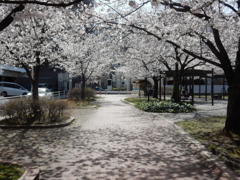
184, 8
41, 3
230, 7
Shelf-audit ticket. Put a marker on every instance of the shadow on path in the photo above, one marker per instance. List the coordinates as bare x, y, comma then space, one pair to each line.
115, 141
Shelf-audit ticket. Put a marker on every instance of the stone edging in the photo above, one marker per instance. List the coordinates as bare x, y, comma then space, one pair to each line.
31, 172
216, 165
66, 123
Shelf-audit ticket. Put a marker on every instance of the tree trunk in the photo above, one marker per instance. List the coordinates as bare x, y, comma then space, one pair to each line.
35, 98
155, 90
34, 82
83, 87
34, 90
176, 96
233, 110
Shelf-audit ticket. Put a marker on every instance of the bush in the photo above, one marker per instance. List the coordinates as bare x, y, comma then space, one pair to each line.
56, 110
75, 93
167, 107
89, 93
21, 111
18, 109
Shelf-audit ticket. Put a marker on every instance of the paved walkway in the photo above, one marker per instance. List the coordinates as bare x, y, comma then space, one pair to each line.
114, 141
204, 109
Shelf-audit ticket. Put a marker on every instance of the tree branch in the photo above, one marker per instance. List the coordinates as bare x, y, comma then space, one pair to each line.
230, 7
178, 46
41, 3
184, 8
9, 19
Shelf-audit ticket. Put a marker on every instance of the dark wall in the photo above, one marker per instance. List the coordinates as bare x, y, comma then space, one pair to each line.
47, 75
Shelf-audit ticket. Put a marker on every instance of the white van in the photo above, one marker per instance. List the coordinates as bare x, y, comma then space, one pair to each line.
12, 89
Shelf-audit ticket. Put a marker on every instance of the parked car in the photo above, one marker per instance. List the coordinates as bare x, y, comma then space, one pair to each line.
12, 89
98, 89
42, 85
43, 93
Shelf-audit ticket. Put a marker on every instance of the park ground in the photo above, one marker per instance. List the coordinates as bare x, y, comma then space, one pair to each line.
113, 140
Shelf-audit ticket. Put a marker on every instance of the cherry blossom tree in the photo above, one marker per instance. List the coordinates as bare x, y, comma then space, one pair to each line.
87, 57
216, 25
213, 25
17, 6
35, 36
157, 57
141, 61
32, 41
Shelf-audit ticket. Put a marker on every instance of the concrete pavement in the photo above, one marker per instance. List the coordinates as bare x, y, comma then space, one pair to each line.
114, 141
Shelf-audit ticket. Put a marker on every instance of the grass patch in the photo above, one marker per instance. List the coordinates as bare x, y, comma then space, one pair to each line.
11, 171
209, 131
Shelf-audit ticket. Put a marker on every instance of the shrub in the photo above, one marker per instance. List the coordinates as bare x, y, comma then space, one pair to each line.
167, 107
75, 93
56, 110
89, 93
21, 111
17, 109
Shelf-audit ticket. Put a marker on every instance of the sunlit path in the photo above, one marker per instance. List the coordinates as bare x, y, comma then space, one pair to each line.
114, 141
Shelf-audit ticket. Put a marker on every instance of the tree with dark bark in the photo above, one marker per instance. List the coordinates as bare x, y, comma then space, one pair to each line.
29, 45
4, 23
214, 25
154, 57
209, 12
87, 56
176, 64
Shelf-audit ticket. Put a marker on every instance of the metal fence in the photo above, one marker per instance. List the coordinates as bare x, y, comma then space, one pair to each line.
56, 95
60, 94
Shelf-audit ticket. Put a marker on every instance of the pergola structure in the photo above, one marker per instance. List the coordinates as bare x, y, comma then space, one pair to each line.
192, 73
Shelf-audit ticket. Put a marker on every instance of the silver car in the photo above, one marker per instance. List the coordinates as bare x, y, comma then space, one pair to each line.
43, 93
12, 89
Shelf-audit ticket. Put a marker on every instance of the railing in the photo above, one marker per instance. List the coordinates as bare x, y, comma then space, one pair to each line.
56, 95
60, 94
10, 97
